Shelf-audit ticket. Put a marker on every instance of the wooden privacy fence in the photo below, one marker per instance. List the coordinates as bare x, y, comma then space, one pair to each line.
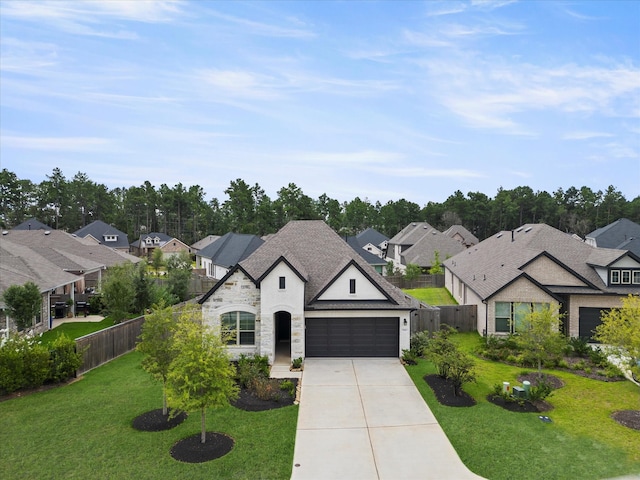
461, 317
423, 281
105, 345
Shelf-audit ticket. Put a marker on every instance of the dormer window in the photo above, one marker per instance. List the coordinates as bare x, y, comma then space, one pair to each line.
148, 241
110, 238
156, 240
624, 277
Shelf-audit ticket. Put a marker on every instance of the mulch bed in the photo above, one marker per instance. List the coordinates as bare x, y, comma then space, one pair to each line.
524, 406
191, 450
155, 421
628, 418
247, 399
444, 392
534, 378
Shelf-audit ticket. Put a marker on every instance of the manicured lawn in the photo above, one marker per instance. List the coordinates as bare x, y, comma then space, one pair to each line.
582, 442
83, 430
75, 330
432, 296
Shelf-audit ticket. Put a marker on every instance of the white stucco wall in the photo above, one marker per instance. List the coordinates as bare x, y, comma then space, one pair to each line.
291, 300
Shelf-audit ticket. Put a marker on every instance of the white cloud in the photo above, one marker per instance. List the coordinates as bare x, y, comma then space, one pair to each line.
421, 172
68, 144
253, 27
585, 135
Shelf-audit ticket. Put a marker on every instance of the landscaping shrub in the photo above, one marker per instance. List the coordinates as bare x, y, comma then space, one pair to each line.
23, 364
541, 390
297, 362
409, 357
451, 363
289, 387
578, 347
598, 357
418, 343
264, 388
64, 358
251, 367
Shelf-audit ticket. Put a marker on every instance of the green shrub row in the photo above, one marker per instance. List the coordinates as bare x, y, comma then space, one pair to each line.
26, 363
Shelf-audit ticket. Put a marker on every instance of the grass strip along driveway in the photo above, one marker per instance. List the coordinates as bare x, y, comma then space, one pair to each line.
83, 430
581, 442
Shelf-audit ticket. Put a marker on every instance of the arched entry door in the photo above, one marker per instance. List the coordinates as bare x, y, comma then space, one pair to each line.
283, 335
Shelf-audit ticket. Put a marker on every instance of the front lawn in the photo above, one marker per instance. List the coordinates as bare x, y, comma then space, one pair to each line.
581, 442
432, 296
83, 430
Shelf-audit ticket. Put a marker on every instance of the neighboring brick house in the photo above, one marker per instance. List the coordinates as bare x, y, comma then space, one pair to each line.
105, 234
148, 242
306, 293
513, 272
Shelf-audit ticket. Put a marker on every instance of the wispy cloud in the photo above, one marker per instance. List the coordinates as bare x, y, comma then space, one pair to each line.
260, 28
423, 172
585, 135
66, 144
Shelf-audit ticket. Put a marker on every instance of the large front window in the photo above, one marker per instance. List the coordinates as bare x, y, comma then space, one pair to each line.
510, 316
242, 325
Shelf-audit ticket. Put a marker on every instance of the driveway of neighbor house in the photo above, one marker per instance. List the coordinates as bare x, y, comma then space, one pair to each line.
365, 419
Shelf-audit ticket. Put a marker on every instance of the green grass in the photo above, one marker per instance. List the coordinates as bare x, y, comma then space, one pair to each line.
432, 296
83, 430
582, 442
75, 330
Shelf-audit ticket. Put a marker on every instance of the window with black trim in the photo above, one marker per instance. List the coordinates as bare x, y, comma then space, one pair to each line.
282, 283
242, 325
509, 316
630, 276
352, 285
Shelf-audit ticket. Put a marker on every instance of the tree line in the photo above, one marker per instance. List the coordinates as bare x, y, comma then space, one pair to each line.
184, 212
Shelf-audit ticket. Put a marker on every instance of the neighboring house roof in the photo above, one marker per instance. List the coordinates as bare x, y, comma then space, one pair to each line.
502, 258
370, 258
422, 252
410, 234
100, 230
622, 234
163, 239
32, 224
203, 242
461, 234
231, 249
318, 255
68, 252
373, 237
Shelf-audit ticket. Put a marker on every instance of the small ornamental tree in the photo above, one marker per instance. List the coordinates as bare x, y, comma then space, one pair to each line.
539, 335
201, 375
118, 292
436, 264
143, 289
156, 344
451, 363
178, 274
23, 303
620, 328
157, 260
412, 272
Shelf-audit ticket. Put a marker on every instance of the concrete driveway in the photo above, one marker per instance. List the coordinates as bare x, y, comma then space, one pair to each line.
364, 419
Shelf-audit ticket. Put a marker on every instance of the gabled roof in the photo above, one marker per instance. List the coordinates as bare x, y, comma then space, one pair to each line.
370, 258
203, 242
499, 260
410, 234
371, 236
466, 237
319, 254
163, 238
32, 224
231, 249
422, 252
68, 252
622, 234
100, 230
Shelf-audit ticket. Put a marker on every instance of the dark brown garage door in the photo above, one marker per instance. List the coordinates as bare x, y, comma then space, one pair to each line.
589, 320
352, 337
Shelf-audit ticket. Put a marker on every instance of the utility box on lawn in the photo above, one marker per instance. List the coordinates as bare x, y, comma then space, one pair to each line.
519, 392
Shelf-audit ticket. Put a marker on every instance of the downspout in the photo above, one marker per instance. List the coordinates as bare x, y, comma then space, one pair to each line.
486, 318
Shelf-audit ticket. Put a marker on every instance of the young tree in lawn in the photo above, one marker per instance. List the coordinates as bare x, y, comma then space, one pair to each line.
620, 328
23, 303
157, 260
156, 343
201, 375
118, 292
178, 274
539, 335
143, 288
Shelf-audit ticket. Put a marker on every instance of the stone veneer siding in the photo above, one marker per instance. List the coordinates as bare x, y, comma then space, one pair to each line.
237, 293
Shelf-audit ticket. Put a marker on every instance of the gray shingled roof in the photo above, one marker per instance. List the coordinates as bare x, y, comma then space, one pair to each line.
99, 229
32, 224
231, 248
423, 250
622, 234
319, 254
468, 238
497, 261
203, 242
410, 234
371, 236
369, 257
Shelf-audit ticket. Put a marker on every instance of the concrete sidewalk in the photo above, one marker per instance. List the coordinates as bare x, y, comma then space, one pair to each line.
365, 419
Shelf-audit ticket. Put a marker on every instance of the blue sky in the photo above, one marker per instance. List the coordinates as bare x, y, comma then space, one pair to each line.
380, 100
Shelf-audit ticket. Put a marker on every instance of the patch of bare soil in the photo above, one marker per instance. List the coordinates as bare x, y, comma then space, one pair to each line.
155, 421
192, 450
628, 418
535, 378
445, 392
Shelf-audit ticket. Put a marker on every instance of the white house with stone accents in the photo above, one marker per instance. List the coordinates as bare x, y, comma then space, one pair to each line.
513, 272
306, 293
